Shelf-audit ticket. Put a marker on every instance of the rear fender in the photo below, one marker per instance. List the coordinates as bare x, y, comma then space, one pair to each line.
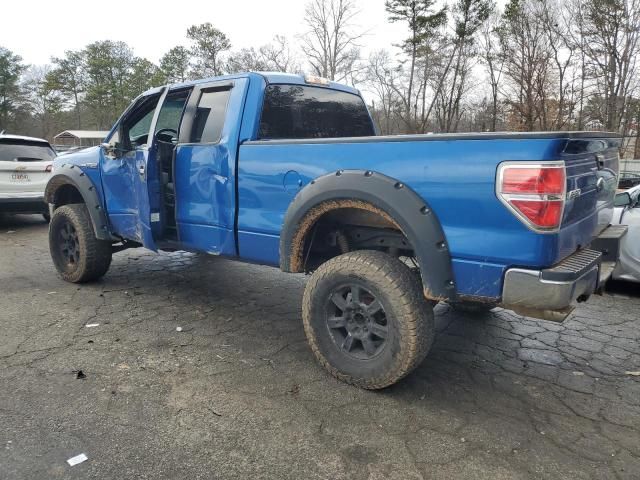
69, 174
383, 195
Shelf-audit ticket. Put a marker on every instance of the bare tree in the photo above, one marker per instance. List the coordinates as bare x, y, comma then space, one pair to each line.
42, 100
563, 54
279, 56
468, 18
611, 32
423, 23
489, 52
527, 58
331, 43
382, 78
245, 60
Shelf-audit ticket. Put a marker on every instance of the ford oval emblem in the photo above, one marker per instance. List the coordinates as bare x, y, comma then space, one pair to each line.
600, 184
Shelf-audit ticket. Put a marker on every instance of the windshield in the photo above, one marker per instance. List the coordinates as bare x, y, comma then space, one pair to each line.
26, 152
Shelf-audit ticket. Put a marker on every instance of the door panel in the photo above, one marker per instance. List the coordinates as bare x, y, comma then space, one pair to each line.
205, 165
204, 192
129, 173
119, 193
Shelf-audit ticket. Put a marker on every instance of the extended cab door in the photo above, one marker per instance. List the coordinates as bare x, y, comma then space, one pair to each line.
130, 174
205, 167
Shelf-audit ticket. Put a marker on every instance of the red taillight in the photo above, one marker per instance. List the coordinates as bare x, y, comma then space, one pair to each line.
537, 180
49, 168
542, 213
535, 193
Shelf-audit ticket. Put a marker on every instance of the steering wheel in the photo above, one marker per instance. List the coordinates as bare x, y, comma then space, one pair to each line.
167, 135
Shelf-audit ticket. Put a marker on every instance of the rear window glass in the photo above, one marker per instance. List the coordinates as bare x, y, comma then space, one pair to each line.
25, 152
209, 118
295, 111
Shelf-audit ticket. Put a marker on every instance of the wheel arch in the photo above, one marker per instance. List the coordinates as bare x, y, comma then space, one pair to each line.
69, 184
382, 195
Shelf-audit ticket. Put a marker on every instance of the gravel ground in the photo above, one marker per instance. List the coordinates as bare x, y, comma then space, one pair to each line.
237, 394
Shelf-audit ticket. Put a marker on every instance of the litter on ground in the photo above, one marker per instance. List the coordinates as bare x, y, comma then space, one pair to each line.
77, 459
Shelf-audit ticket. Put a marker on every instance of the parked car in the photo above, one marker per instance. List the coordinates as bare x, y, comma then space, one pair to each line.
628, 180
25, 169
286, 170
627, 212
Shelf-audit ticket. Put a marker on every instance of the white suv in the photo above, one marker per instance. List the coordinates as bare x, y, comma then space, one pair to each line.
25, 168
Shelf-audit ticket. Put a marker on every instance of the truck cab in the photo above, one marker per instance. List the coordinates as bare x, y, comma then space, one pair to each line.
286, 170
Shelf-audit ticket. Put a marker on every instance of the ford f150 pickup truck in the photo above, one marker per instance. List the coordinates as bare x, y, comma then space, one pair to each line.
286, 170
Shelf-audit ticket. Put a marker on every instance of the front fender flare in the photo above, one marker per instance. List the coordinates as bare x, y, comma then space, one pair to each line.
386, 196
69, 174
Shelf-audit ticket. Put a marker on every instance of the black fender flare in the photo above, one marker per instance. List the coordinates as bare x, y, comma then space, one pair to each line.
69, 174
382, 194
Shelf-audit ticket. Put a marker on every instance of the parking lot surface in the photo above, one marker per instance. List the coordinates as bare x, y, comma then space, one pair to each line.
237, 394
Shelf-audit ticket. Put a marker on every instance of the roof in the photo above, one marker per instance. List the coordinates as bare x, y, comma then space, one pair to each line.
6, 136
269, 77
83, 134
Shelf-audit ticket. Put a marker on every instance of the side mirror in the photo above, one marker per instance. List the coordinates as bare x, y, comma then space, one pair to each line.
622, 199
111, 150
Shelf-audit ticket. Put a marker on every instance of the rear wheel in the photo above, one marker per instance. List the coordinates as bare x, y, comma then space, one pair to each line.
76, 253
366, 319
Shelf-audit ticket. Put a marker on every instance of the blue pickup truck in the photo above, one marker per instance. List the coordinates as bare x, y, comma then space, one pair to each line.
288, 171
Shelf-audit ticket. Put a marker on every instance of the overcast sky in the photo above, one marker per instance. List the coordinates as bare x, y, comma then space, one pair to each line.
39, 29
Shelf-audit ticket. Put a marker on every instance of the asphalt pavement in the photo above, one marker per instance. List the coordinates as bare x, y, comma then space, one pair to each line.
183, 366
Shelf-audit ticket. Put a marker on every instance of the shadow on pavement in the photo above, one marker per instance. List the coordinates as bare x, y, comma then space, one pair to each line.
19, 222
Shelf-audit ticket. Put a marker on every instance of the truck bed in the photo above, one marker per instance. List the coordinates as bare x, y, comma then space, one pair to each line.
456, 175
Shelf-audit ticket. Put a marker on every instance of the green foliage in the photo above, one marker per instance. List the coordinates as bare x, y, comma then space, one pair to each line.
143, 76
468, 17
68, 77
109, 66
175, 64
11, 68
207, 44
90, 87
420, 18
246, 60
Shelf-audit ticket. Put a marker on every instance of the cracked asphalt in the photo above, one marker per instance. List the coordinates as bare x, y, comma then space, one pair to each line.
237, 393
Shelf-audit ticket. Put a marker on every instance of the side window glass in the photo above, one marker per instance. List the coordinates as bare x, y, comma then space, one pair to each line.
135, 127
172, 111
141, 127
209, 117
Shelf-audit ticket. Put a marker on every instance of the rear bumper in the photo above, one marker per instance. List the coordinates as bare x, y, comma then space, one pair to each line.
550, 293
538, 289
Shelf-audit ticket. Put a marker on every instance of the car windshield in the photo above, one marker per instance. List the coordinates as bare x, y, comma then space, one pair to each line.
25, 152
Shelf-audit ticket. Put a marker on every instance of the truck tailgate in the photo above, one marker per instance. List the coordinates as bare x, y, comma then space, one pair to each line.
592, 174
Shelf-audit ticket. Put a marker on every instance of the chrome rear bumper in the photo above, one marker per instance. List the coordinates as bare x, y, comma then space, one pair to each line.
550, 293
530, 289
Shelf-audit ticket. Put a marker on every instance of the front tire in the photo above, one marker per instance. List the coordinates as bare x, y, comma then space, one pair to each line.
366, 319
76, 252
